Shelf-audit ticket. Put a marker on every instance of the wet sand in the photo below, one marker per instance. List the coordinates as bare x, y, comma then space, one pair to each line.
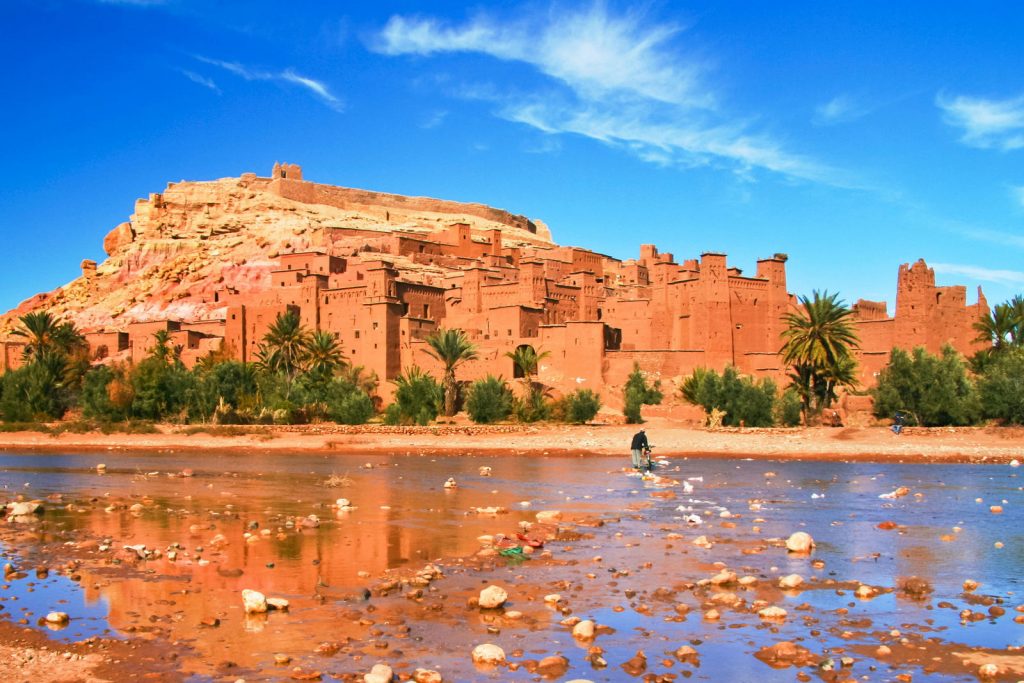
973, 444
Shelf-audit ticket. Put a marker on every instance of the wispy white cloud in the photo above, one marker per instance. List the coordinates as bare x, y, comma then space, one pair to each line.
986, 123
201, 80
1017, 192
288, 76
980, 273
433, 119
616, 78
840, 109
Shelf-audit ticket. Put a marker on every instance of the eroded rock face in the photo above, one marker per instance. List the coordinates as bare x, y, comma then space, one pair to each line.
118, 238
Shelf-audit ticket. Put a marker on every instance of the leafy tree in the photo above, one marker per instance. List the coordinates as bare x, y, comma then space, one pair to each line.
932, 390
1001, 388
637, 393
744, 401
103, 397
347, 403
489, 400
579, 406
819, 341
418, 398
452, 348
221, 387
527, 361
161, 389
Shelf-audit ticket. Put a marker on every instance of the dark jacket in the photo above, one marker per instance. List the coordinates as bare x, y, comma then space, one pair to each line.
639, 442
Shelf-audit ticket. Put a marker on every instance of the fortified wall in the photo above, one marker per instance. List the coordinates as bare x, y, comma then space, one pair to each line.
219, 261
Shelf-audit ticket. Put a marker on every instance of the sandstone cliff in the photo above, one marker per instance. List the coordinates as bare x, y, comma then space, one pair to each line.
182, 246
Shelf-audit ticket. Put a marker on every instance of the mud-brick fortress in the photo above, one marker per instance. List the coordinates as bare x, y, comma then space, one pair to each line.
214, 263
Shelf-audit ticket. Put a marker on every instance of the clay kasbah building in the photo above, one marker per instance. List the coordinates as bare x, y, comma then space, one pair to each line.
215, 263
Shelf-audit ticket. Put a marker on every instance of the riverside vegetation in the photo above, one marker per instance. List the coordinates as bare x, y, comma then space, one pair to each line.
302, 376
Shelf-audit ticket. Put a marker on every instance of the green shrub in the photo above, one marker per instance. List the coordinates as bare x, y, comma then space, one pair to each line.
1001, 388
789, 409
161, 389
418, 399
489, 400
35, 391
578, 407
744, 400
534, 407
221, 387
101, 397
348, 404
932, 391
638, 393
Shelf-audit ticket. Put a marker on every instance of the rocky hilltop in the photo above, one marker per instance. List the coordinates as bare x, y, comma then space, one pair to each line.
193, 239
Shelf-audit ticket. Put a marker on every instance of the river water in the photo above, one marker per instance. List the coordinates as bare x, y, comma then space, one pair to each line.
633, 540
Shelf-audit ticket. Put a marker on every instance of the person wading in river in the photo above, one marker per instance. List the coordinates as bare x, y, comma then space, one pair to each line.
637, 448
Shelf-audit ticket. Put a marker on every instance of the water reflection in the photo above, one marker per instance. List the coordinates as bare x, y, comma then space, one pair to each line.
238, 522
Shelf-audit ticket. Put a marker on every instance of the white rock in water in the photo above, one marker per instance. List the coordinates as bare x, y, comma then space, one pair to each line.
57, 618
549, 516
1015, 463
485, 471
791, 581
342, 503
493, 597
772, 613
450, 484
254, 601
380, 673
426, 676
488, 654
800, 542
584, 630
23, 509
278, 604
988, 671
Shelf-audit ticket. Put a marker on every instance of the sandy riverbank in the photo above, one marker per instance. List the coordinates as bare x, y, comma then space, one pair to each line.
671, 438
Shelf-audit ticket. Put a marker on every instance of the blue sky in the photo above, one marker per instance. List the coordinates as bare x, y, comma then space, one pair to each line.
852, 136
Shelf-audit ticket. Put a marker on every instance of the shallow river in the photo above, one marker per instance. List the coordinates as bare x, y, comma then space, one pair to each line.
405, 519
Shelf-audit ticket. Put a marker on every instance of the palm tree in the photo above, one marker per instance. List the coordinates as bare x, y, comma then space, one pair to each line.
452, 348
163, 346
323, 354
284, 347
997, 326
1017, 333
819, 340
43, 334
526, 361
359, 376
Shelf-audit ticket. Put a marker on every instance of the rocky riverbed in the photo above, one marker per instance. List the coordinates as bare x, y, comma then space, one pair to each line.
163, 566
